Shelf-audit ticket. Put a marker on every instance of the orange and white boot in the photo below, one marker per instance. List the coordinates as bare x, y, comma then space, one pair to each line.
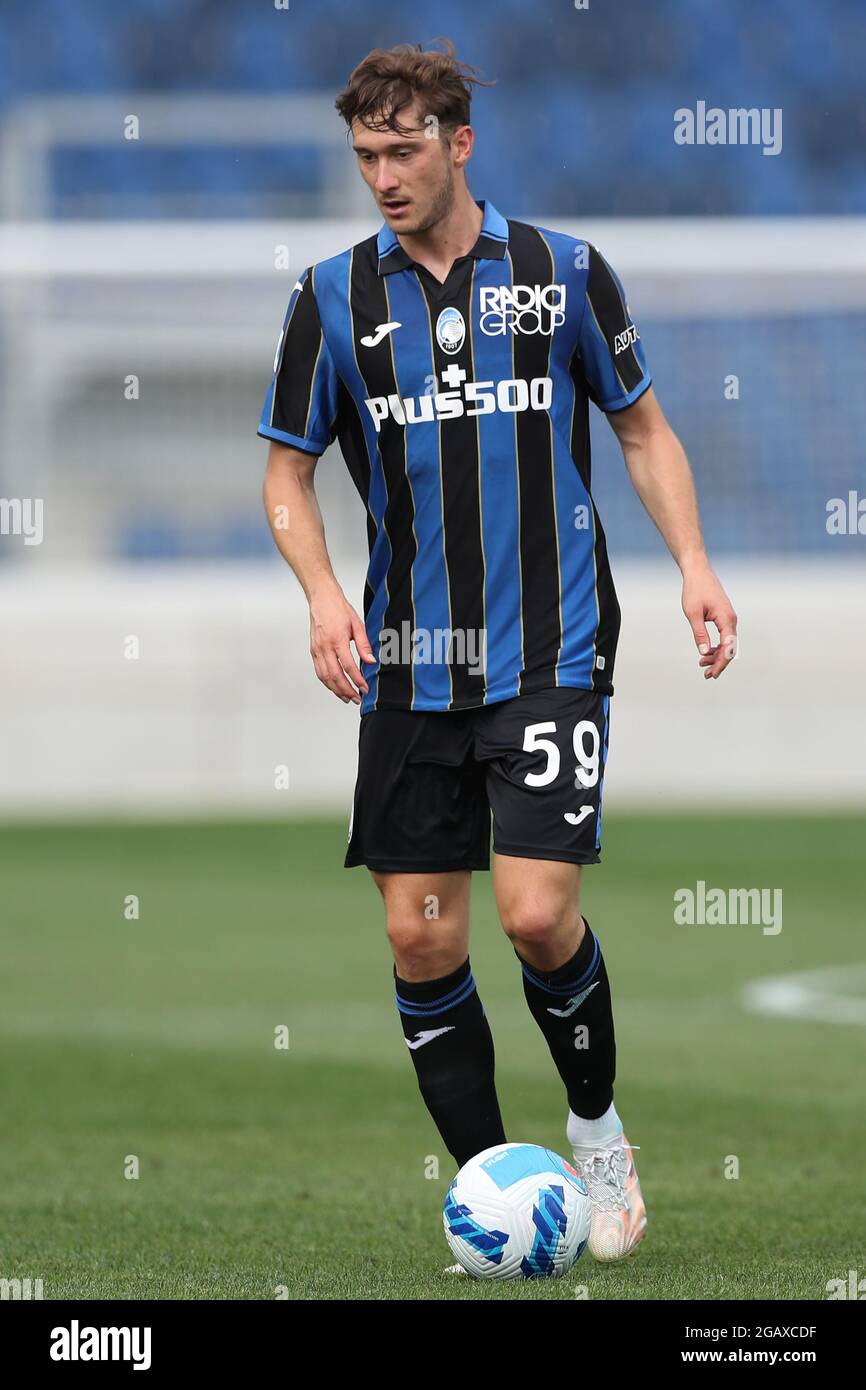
606, 1164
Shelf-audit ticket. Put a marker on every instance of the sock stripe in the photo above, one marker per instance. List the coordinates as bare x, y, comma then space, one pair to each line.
437, 1006
574, 985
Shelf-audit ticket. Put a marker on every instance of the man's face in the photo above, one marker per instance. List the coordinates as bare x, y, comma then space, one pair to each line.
411, 176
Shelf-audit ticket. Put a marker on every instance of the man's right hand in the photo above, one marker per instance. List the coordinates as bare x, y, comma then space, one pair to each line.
334, 625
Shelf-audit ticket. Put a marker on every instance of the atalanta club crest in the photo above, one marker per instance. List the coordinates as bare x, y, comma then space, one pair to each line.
450, 330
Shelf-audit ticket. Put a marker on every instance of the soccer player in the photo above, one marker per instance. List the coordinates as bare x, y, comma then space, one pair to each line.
454, 356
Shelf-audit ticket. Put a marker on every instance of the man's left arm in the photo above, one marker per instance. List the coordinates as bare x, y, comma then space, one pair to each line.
662, 478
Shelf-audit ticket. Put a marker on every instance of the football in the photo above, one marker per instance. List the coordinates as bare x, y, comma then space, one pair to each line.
517, 1211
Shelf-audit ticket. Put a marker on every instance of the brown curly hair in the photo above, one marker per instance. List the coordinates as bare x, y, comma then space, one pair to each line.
389, 79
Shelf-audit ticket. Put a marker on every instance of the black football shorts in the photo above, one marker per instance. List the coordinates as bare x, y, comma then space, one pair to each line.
428, 783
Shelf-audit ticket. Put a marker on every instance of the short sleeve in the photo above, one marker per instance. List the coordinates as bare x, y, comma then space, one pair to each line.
300, 407
611, 352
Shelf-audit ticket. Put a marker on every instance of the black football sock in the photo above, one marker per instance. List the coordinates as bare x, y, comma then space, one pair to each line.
451, 1045
572, 1008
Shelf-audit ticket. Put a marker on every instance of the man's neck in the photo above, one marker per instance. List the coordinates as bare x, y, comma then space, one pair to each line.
453, 237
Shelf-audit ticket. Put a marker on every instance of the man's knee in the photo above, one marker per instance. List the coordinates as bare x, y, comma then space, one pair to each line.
539, 919
424, 950
427, 926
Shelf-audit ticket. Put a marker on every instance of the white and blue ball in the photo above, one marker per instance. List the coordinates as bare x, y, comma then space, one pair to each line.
517, 1211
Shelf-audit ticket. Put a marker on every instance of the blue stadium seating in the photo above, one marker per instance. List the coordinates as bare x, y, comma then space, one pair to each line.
582, 111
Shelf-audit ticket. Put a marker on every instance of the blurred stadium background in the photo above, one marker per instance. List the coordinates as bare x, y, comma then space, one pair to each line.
169, 258
159, 268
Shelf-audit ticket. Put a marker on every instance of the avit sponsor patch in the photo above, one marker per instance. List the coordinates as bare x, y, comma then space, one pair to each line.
625, 339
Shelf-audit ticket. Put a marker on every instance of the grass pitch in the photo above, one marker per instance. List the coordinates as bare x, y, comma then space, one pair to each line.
307, 1169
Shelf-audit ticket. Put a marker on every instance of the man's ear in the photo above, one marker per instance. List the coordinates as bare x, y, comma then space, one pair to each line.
462, 142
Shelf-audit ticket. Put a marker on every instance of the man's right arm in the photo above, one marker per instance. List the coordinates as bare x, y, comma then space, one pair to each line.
296, 525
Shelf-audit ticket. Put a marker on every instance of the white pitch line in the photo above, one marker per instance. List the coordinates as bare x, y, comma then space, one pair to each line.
817, 995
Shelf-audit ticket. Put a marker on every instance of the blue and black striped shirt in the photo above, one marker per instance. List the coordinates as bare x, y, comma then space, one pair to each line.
462, 411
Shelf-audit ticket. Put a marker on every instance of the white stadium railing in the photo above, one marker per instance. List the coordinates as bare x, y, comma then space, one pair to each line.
222, 692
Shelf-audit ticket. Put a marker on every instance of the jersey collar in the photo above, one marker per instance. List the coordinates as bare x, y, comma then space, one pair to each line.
491, 245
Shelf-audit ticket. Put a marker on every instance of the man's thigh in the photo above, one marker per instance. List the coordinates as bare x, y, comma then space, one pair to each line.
534, 892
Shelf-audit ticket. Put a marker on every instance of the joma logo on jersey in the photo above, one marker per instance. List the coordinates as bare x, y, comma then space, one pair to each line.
465, 398
521, 309
625, 339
